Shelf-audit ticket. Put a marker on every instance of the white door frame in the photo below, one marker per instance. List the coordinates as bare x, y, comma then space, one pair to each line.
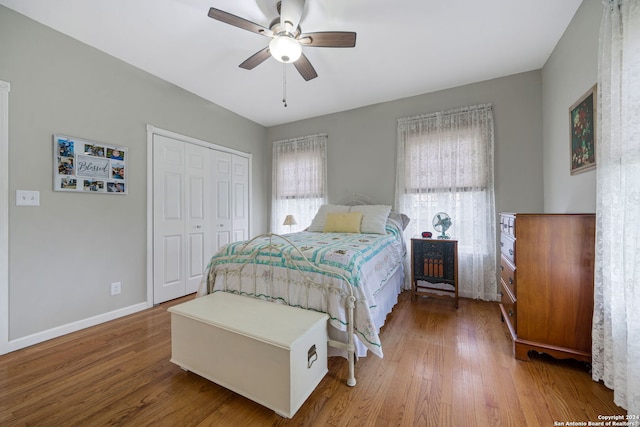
152, 130
4, 217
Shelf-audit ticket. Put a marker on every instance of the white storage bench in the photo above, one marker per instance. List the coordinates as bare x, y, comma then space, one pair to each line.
271, 353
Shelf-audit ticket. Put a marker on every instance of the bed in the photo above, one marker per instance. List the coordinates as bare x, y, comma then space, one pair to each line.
349, 263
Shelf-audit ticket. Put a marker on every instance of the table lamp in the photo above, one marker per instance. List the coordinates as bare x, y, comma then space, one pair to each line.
289, 220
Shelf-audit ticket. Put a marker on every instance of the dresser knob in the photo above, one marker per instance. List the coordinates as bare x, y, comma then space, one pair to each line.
511, 252
510, 313
511, 280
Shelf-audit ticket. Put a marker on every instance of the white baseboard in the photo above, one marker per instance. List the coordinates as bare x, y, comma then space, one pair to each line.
59, 331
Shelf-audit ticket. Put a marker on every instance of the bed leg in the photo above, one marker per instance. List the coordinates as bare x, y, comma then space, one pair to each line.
351, 381
351, 303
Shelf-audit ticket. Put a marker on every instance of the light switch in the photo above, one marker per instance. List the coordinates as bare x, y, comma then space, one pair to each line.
27, 198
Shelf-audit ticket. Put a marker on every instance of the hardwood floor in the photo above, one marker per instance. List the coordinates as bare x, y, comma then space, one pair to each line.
442, 367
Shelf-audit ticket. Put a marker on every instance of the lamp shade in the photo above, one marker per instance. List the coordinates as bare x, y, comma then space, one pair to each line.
289, 220
285, 49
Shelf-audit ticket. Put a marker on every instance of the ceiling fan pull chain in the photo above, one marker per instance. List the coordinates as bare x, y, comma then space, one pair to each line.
284, 84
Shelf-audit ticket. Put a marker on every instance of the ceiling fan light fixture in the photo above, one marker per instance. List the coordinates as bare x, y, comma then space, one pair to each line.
285, 49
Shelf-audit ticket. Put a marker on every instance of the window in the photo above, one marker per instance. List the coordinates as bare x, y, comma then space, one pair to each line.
445, 164
299, 181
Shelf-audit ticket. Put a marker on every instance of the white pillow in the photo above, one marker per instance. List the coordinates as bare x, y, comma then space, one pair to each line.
320, 220
374, 217
401, 218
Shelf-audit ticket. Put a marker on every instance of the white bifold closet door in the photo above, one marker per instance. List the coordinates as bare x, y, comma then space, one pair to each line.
230, 207
200, 203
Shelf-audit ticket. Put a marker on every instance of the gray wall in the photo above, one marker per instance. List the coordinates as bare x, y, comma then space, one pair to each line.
362, 142
64, 254
570, 71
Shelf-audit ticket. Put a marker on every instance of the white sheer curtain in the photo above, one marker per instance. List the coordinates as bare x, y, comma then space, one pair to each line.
445, 163
616, 317
299, 181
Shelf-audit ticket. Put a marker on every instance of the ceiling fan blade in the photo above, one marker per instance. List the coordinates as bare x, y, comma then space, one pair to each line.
236, 21
291, 12
256, 59
305, 68
329, 39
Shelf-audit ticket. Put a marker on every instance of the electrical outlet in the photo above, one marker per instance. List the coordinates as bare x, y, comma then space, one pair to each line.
116, 288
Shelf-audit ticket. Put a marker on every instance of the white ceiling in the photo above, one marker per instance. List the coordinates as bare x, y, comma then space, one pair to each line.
403, 47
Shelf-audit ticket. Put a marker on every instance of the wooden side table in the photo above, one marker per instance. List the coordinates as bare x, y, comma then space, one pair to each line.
434, 268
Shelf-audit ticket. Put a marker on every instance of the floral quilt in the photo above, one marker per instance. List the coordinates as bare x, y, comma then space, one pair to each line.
273, 268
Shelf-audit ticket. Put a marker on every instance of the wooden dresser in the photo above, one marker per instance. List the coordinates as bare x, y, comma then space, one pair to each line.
546, 284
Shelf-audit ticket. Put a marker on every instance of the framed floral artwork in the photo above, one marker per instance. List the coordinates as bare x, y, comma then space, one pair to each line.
582, 116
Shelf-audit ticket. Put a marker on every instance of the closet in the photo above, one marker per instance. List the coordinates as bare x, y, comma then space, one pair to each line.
200, 203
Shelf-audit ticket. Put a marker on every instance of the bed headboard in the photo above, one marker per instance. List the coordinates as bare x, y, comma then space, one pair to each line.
357, 199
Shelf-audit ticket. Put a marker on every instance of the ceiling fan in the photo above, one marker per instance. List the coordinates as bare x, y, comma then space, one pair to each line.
287, 39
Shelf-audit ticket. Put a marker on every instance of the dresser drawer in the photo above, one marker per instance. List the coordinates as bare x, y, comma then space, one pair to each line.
508, 247
508, 274
509, 310
508, 224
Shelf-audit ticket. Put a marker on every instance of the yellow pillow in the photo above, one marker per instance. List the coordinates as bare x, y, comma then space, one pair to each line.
343, 222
